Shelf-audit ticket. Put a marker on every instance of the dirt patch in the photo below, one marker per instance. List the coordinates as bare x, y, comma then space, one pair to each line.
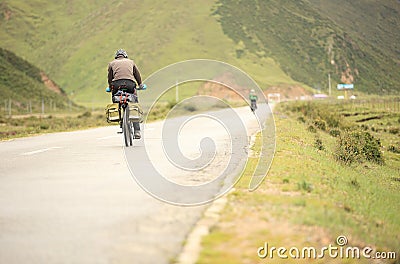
347, 75
289, 92
221, 91
6, 11
50, 84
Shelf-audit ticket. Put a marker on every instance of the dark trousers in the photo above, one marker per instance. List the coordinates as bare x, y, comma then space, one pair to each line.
130, 87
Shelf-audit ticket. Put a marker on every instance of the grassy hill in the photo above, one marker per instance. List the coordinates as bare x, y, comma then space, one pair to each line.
355, 41
275, 42
24, 85
74, 41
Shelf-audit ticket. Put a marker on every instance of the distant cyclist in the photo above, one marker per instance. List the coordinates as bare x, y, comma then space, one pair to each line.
122, 73
253, 100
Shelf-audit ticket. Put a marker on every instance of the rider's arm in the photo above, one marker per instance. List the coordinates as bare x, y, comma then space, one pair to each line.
110, 75
136, 74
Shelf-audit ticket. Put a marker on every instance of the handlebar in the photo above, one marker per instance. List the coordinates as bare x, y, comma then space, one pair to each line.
143, 86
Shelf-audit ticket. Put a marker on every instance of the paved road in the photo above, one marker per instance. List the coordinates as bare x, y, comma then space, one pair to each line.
70, 198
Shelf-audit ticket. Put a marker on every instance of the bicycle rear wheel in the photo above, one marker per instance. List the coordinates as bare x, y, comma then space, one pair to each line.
127, 128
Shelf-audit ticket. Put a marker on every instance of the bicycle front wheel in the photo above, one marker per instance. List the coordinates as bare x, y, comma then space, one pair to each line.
127, 128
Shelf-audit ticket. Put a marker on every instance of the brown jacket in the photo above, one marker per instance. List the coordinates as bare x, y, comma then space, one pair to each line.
123, 68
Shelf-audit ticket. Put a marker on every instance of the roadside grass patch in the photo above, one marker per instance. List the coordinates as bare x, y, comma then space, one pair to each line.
21, 126
309, 197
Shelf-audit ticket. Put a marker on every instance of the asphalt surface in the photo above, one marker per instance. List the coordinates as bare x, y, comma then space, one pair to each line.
70, 198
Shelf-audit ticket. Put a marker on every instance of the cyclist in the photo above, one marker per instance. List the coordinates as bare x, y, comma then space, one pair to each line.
253, 99
122, 73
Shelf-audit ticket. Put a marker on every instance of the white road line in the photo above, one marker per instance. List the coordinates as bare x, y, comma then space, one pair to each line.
38, 151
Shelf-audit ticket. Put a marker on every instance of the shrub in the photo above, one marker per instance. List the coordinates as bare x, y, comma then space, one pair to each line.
85, 114
321, 124
14, 122
355, 183
394, 130
44, 126
334, 132
358, 146
318, 144
171, 104
371, 148
311, 129
285, 180
305, 186
394, 149
301, 119
332, 120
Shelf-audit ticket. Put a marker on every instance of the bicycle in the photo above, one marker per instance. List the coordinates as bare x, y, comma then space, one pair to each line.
120, 111
253, 105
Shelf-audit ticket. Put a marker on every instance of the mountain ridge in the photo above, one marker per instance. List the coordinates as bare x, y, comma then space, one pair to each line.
25, 85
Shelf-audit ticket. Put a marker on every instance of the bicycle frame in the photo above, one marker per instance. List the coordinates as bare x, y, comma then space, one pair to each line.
123, 99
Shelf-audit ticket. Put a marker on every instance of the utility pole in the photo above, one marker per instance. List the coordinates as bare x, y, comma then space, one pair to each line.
9, 107
329, 81
176, 92
70, 100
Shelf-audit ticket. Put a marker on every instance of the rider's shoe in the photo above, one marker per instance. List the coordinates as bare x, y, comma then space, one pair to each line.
119, 132
137, 135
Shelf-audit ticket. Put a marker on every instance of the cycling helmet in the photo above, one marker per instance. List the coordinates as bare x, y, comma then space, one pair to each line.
121, 52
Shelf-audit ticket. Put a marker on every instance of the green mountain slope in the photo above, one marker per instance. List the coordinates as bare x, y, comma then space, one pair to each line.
74, 41
355, 41
377, 22
23, 84
276, 42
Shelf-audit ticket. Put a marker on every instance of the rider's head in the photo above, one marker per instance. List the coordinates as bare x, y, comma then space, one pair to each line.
121, 53
252, 91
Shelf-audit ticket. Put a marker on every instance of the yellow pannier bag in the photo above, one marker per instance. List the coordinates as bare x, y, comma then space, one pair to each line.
135, 112
112, 112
